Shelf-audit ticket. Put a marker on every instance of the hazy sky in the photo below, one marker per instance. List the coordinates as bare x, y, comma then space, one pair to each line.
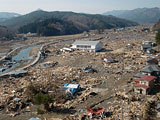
86, 6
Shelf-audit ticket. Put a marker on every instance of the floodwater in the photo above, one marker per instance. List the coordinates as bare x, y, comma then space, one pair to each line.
22, 56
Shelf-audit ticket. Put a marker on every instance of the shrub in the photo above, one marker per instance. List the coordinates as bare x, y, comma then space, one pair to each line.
43, 99
39, 111
31, 91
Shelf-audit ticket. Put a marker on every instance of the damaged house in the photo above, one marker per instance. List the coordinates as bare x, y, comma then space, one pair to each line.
145, 80
144, 85
153, 70
146, 45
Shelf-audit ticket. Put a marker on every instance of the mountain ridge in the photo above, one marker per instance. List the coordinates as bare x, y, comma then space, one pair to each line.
76, 18
140, 15
7, 15
46, 23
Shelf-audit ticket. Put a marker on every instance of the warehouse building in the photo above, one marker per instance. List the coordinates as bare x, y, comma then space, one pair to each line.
94, 46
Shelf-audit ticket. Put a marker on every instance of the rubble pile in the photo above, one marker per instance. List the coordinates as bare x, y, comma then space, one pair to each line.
115, 93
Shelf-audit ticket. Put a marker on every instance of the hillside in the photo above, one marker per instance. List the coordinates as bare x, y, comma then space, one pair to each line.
81, 21
50, 27
157, 26
6, 15
5, 33
140, 15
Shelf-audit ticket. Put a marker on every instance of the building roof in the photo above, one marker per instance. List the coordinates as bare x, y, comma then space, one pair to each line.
34, 119
138, 75
67, 85
151, 68
84, 42
147, 42
148, 78
146, 46
140, 85
109, 60
136, 80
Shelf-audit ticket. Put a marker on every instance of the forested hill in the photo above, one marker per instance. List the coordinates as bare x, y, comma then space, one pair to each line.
64, 22
83, 20
6, 34
50, 27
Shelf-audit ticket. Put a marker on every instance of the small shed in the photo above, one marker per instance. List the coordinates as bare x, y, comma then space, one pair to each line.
110, 60
65, 49
94, 46
146, 45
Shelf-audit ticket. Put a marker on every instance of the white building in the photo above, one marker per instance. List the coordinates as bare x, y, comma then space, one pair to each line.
87, 45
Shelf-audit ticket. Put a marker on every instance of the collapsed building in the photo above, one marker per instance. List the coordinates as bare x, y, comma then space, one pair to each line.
144, 85
145, 80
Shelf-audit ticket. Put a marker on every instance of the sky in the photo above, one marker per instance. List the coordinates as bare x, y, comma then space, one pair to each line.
80, 6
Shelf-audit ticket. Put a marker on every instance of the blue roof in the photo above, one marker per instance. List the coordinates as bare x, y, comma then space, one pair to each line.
17, 99
65, 85
72, 88
34, 119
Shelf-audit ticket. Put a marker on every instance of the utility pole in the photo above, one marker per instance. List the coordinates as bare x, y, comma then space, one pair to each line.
115, 78
122, 111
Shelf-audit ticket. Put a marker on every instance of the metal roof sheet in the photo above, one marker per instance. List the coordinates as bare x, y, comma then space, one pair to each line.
67, 85
84, 42
151, 68
138, 75
148, 78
